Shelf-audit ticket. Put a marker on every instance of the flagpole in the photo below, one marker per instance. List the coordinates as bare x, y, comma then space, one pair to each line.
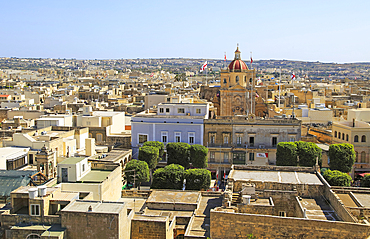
252, 87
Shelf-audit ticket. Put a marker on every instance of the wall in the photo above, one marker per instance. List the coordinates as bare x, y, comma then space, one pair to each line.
234, 225
151, 228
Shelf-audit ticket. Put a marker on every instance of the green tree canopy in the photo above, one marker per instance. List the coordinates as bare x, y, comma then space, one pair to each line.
178, 153
337, 178
156, 144
169, 177
286, 154
307, 152
342, 157
365, 181
197, 179
198, 156
149, 154
141, 171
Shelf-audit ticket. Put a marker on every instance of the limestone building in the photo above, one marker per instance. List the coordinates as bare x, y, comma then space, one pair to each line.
237, 84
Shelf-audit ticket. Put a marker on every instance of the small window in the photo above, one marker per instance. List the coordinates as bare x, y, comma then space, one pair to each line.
237, 79
226, 157
363, 138
191, 137
335, 134
274, 141
161, 110
251, 141
226, 139
177, 137
198, 111
35, 210
282, 214
292, 139
225, 81
346, 137
83, 167
167, 110
251, 156
212, 138
164, 136
143, 138
212, 156
239, 140
356, 138
181, 110
343, 136
339, 135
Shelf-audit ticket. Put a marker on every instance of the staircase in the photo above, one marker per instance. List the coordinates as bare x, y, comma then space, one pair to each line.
235, 199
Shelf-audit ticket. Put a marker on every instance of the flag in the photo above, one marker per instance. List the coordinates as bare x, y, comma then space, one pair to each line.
225, 56
217, 175
224, 175
204, 66
293, 76
251, 60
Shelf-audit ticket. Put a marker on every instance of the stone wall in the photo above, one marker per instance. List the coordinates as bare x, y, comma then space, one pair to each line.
235, 225
151, 228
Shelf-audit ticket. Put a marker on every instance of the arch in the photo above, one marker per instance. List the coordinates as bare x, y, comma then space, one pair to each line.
339, 135
363, 138
335, 134
342, 136
346, 137
33, 236
225, 81
355, 138
363, 157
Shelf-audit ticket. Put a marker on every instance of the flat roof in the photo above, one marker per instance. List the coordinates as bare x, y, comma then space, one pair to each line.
170, 196
95, 176
72, 160
97, 207
275, 176
363, 198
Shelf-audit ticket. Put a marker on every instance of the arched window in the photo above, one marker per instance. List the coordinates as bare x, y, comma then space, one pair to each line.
237, 79
346, 137
356, 138
335, 134
245, 79
363, 157
250, 80
338, 135
343, 136
225, 81
363, 138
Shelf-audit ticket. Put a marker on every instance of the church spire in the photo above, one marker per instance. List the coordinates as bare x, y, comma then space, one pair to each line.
237, 53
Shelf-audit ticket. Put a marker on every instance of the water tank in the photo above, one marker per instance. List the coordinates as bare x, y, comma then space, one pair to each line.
32, 193
246, 199
41, 190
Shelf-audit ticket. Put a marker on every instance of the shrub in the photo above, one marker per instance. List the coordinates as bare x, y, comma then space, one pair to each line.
286, 154
198, 156
337, 178
169, 177
197, 179
178, 153
149, 154
342, 157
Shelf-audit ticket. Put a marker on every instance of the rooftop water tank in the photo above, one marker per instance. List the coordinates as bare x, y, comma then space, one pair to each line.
32, 193
41, 191
246, 199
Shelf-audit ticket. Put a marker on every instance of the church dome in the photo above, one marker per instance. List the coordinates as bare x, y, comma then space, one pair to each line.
237, 64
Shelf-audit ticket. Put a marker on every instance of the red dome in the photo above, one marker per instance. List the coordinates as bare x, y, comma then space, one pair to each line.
237, 65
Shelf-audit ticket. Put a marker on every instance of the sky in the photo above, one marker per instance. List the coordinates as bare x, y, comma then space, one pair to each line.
326, 31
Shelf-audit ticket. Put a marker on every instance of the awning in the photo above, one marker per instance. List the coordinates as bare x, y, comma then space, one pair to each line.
363, 174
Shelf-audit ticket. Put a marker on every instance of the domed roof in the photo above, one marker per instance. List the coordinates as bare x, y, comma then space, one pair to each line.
237, 64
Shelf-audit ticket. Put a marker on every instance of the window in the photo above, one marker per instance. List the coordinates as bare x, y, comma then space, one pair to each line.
191, 137
274, 141
226, 139
164, 136
239, 140
237, 79
335, 134
346, 137
338, 135
292, 139
143, 138
83, 167
251, 156
212, 138
99, 137
181, 110
225, 81
35, 210
251, 141
363, 157
161, 110
250, 80
167, 110
226, 157
177, 137
245, 79
282, 214
211, 156
239, 158
363, 138
198, 111
356, 138
343, 136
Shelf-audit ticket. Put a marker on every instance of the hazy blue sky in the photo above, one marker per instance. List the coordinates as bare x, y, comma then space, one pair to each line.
328, 31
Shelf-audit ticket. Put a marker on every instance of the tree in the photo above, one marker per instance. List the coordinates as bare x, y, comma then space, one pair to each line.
307, 153
286, 154
141, 171
169, 177
178, 153
365, 181
342, 157
149, 154
198, 156
197, 179
337, 178
156, 144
